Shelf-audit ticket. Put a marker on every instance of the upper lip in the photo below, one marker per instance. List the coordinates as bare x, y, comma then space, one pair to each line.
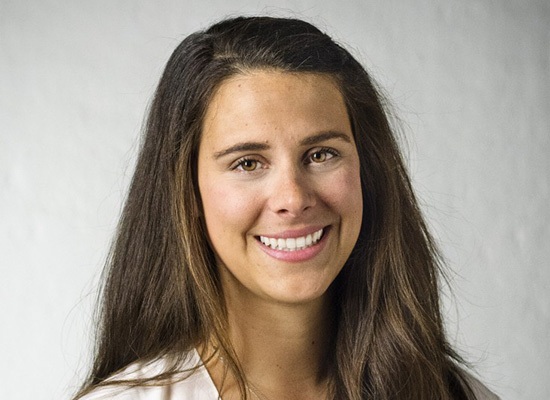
293, 233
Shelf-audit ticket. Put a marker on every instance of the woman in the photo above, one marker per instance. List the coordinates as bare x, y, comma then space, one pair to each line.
271, 246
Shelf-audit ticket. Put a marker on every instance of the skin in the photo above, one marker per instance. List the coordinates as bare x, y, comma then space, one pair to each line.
277, 158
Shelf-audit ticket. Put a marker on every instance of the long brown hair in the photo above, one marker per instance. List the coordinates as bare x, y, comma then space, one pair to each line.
162, 296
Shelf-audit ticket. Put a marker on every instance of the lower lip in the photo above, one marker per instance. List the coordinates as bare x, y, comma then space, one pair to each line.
297, 255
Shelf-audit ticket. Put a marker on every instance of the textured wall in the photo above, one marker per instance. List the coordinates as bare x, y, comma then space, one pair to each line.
469, 79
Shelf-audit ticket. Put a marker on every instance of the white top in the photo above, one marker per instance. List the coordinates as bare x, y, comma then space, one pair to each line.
198, 385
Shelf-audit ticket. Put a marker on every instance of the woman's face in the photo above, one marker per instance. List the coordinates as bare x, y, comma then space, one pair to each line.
278, 174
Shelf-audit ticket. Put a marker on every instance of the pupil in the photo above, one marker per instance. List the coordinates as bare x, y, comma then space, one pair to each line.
249, 164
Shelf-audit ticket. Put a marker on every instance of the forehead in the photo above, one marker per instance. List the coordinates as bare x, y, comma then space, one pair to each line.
276, 80
262, 102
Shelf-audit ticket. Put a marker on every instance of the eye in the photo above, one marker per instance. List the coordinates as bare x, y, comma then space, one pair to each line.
318, 156
321, 155
247, 164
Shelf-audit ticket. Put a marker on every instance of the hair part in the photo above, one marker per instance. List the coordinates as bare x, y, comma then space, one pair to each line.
162, 296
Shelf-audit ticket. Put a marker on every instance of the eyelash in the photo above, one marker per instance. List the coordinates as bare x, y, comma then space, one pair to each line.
238, 165
326, 150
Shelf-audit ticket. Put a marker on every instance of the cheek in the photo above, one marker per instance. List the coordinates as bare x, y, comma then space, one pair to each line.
344, 193
227, 207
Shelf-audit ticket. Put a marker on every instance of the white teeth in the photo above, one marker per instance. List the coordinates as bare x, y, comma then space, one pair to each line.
291, 244
316, 236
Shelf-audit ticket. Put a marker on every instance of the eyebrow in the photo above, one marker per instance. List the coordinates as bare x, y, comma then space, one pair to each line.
322, 136
310, 140
246, 146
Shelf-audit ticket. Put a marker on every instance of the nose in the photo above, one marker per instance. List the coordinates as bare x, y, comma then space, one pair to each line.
292, 193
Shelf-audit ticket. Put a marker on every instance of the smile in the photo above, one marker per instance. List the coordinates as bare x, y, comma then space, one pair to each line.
293, 244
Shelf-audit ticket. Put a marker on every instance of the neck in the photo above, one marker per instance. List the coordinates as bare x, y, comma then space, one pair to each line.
283, 348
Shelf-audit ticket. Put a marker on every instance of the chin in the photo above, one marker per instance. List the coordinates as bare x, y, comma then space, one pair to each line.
297, 294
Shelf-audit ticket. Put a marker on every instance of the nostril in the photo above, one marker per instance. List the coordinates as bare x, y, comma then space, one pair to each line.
295, 208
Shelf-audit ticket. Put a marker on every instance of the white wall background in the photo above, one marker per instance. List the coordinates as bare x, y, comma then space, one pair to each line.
470, 79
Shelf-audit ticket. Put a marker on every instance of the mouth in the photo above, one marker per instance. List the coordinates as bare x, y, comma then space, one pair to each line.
293, 243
